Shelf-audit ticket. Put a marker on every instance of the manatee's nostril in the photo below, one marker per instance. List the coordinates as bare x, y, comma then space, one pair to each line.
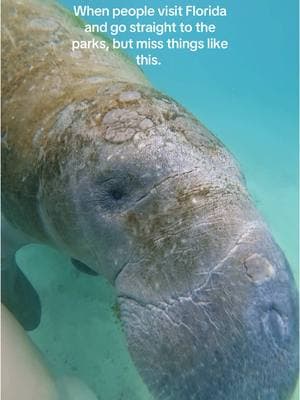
275, 325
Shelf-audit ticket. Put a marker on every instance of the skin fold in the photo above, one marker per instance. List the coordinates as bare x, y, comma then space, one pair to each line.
123, 179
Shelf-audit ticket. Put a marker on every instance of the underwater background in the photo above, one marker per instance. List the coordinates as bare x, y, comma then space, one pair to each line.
246, 95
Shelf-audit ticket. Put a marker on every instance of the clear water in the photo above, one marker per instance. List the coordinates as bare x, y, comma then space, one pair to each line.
248, 96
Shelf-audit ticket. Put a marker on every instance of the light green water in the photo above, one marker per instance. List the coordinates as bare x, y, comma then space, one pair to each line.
249, 98
80, 334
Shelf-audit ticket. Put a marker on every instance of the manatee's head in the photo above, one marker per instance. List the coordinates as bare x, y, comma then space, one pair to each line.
141, 192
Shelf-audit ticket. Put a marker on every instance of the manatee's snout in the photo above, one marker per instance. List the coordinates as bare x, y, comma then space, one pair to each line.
232, 334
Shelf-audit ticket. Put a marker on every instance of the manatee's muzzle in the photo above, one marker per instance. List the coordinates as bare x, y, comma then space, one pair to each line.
234, 336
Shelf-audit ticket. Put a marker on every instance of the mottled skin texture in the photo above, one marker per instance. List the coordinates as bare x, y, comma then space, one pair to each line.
126, 181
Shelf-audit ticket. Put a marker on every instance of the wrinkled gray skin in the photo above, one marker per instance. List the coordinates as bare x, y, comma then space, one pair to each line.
132, 185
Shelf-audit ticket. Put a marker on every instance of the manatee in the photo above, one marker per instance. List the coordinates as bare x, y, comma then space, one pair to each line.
119, 176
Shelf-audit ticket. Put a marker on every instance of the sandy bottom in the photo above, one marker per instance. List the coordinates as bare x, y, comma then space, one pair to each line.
80, 334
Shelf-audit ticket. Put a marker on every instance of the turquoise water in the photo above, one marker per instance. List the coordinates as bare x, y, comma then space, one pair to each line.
248, 96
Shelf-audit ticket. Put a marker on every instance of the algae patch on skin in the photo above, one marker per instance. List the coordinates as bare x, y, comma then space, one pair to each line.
116, 311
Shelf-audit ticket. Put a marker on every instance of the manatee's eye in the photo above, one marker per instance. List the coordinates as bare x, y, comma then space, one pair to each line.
117, 193
112, 193
119, 190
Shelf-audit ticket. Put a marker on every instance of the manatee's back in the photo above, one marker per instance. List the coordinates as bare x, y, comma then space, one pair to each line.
41, 76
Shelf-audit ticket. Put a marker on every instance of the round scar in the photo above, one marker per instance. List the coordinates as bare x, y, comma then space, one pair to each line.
146, 124
258, 268
120, 125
